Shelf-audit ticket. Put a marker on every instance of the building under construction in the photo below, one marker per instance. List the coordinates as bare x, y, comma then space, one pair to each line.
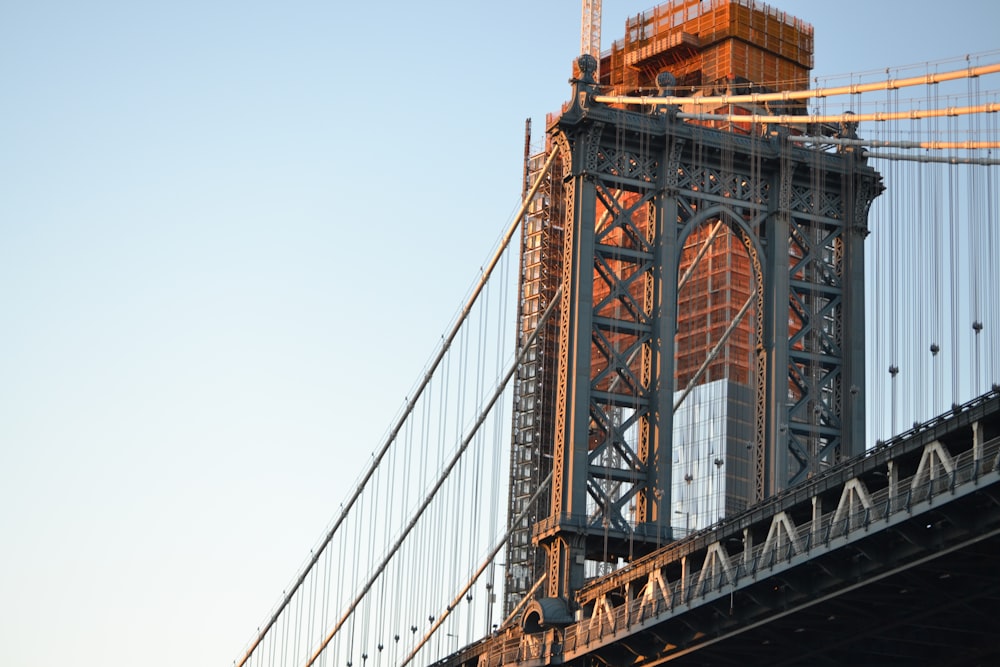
709, 46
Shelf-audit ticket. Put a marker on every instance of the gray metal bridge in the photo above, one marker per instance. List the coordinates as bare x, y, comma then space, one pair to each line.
892, 558
691, 392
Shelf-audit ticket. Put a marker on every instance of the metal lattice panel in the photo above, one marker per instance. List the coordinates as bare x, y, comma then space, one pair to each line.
636, 188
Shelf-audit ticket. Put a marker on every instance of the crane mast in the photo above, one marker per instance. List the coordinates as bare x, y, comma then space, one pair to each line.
590, 29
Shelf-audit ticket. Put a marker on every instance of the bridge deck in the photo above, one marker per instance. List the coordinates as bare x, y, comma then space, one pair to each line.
887, 559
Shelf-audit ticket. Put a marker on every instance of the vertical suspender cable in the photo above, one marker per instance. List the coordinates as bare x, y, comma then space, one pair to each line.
953, 242
402, 419
895, 279
478, 573
433, 491
975, 244
935, 259
992, 250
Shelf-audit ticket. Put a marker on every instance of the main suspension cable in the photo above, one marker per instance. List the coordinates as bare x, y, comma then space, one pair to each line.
848, 117
794, 95
877, 143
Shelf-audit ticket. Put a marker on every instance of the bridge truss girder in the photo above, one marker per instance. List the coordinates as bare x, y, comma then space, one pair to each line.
885, 560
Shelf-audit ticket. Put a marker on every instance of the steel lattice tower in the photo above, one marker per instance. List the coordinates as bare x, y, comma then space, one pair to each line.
635, 188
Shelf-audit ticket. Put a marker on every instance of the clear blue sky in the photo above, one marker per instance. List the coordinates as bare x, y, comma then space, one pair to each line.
231, 234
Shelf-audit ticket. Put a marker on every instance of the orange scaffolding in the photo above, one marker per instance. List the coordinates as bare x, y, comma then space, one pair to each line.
710, 44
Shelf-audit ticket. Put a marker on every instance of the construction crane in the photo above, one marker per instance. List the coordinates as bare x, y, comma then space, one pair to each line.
590, 29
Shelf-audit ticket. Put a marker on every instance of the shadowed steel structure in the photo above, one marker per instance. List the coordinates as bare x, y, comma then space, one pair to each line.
635, 187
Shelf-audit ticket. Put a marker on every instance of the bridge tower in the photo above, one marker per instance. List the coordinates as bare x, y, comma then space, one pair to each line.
646, 197
709, 348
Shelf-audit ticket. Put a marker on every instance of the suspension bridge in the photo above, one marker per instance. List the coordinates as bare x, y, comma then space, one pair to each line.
746, 411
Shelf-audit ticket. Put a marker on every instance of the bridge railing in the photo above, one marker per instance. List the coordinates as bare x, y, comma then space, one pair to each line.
832, 530
511, 651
